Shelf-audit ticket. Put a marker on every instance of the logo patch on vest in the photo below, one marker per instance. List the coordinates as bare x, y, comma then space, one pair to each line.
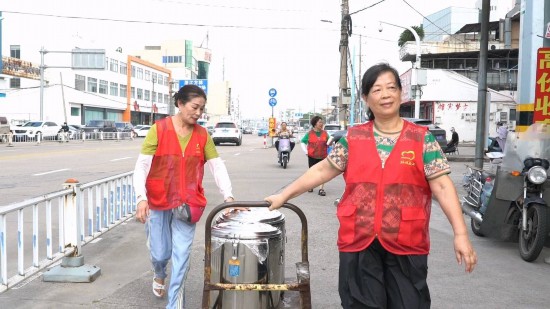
407, 158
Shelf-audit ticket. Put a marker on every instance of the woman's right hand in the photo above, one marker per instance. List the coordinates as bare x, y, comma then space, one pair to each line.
142, 211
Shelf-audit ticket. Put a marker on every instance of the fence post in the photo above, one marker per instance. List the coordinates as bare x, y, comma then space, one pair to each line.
38, 138
118, 136
72, 268
101, 135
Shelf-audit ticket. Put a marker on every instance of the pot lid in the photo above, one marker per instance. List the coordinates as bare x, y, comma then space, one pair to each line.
244, 230
254, 214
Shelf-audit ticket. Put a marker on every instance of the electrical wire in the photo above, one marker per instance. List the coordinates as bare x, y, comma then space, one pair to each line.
155, 22
368, 7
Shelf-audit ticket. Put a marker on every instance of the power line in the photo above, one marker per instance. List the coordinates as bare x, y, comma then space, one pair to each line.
155, 22
368, 7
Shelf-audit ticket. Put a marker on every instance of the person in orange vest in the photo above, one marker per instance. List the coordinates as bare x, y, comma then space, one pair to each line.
391, 169
314, 144
171, 200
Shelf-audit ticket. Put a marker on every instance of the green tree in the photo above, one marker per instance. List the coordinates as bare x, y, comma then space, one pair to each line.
407, 36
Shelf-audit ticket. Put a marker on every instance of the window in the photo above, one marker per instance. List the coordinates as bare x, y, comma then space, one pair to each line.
147, 95
140, 94
147, 75
15, 82
154, 76
92, 84
103, 86
123, 90
166, 99
113, 89
133, 71
160, 97
15, 51
139, 73
123, 68
80, 82
75, 111
165, 80
113, 65
154, 97
133, 92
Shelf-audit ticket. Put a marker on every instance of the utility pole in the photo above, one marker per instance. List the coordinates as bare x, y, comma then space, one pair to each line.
343, 83
482, 84
153, 80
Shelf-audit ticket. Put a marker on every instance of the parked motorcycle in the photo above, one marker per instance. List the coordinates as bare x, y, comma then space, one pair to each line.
511, 203
284, 151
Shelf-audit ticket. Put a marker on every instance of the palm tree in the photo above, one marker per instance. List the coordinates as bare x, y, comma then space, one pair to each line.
407, 35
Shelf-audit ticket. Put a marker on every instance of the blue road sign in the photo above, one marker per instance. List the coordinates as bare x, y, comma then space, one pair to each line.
2, 95
272, 102
272, 92
203, 83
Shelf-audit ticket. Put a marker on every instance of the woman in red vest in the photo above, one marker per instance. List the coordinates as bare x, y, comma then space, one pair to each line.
391, 169
168, 185
314, 144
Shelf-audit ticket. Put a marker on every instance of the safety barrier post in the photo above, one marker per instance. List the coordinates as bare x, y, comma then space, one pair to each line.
38, 138
83, 136
72, 268
101, 135
10, 139
118, 136
265, 141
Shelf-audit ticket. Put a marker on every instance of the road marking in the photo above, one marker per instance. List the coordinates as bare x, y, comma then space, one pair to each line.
125, 158
51, 172
238, 153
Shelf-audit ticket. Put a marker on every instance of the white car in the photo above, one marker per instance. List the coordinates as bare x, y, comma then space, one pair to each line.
142, 130
227, 132
30, 130
332, 128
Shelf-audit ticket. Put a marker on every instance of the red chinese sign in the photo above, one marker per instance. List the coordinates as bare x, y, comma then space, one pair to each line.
542, 88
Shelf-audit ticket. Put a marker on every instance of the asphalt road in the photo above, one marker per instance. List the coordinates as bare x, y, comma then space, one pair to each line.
501, 280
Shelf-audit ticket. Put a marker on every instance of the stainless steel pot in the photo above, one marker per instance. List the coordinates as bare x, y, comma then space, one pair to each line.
246, 252
263, 215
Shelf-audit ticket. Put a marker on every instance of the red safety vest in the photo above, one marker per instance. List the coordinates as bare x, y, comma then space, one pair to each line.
391, 203
317, 146
176, 176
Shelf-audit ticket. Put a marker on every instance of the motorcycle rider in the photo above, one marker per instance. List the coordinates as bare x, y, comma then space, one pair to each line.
284, 132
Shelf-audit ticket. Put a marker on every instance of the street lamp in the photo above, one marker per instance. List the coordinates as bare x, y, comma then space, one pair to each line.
416, 66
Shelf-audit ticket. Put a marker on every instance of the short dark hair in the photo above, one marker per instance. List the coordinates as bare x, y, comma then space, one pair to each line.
187, 93
314, 120
370, 77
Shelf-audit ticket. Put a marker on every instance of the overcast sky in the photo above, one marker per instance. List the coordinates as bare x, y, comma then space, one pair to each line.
255, 44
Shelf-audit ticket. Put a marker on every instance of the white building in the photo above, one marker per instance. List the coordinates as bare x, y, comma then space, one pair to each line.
450, 100
127, 89
439, 25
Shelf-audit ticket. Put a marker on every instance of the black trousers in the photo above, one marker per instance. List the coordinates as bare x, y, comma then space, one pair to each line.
376, 278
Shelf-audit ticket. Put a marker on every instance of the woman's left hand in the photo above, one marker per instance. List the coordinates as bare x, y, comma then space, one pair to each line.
465, 252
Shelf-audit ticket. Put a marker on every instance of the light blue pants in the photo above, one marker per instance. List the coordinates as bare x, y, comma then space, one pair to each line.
170, 238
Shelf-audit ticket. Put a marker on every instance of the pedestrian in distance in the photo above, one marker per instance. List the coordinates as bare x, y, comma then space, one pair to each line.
284, 132
391, 169
502, 134
171, 200
65, 132
451, 146
314, 144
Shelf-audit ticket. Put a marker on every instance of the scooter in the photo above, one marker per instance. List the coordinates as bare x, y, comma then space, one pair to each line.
510, 204
284, 151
